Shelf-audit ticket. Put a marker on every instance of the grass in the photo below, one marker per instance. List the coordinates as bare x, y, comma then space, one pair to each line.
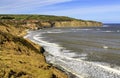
21, 58
37, 17
44, 21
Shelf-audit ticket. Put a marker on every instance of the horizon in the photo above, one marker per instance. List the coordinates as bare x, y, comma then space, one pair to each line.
103, 11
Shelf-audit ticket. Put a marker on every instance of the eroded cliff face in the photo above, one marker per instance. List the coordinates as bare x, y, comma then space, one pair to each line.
77, 24
46, 24
45, 21
37, 24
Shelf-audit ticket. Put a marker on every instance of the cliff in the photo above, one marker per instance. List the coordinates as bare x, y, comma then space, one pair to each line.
45, 21
77, 24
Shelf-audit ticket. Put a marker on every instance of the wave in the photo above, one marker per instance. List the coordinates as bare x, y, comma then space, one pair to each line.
106, 25
108, 31
81, 29
64, 58
118, 30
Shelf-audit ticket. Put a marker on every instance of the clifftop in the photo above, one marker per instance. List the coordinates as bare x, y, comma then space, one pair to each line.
37, 17
43, 21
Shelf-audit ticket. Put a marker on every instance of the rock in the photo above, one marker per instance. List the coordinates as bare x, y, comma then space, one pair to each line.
42, 50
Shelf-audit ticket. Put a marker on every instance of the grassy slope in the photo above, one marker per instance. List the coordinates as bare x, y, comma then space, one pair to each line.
38, 17
20, 58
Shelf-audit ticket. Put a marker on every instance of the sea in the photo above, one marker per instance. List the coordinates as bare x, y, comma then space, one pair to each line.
88, 52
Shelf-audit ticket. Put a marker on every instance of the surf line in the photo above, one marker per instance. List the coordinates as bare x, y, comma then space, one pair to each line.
47, 44
55, 45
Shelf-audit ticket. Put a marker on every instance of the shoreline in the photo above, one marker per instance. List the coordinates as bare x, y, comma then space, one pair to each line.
69, 74
51, 46
46, 54
27, 55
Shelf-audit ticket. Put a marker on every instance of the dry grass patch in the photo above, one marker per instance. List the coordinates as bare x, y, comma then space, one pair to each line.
21, 58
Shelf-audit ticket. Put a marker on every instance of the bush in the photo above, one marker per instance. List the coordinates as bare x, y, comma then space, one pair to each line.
7, 17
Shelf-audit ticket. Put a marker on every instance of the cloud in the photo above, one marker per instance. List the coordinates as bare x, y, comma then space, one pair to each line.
21, 5
87, 10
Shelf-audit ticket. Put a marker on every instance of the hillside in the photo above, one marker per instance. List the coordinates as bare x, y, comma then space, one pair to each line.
21, 58
37, 17
45, 21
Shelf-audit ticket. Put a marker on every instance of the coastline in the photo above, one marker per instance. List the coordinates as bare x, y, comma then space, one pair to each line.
68, 73
32, 51
24, 53
60, 68
60, 61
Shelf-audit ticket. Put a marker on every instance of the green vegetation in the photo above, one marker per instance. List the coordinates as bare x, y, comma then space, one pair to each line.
7, 17
37, 17
21, 58
45, 21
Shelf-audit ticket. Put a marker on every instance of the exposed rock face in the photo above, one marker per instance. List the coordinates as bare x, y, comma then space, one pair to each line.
47, 24
45, 21
77, 24
37, 24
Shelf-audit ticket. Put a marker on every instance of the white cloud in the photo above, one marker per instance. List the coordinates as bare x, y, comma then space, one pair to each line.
19, 5
87, 10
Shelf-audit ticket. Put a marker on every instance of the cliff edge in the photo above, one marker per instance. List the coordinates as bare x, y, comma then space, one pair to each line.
46, 21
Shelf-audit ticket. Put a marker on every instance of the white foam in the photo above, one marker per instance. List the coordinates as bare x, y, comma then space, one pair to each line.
81, 29
107, 31
54, 32
80, 68
118, 30
105, 47
97, 29
105, 25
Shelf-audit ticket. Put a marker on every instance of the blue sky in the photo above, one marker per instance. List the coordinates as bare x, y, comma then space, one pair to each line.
107, 11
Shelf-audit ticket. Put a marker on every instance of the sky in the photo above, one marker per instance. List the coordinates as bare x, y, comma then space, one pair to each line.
106, 11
